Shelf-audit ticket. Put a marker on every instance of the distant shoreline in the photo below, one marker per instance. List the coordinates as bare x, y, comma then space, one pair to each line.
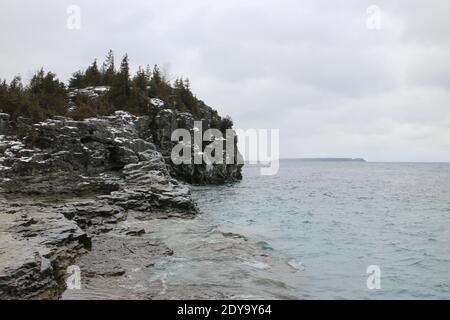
356, 160
328, 159
313, 160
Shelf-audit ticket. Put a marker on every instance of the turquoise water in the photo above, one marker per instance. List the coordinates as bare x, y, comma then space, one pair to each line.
334, 219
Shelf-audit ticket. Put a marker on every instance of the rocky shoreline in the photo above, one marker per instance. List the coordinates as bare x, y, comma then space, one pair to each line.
182, 259
64, 184
101, 194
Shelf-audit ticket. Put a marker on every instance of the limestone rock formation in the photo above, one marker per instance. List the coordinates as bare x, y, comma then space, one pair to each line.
65, 183
36, 245
166, 121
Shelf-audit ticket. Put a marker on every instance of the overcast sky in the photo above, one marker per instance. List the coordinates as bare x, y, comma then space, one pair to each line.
314, 69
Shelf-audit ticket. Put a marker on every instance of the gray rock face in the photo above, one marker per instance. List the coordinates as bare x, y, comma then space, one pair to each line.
91, 93
65, 182
66, 156
36, 245
166, 122
106, 160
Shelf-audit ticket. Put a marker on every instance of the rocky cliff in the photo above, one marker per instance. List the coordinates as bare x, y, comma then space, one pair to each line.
64, 184
165, 122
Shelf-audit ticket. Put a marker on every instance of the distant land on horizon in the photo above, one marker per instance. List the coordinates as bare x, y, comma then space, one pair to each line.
316, 160
357, 160
328, 159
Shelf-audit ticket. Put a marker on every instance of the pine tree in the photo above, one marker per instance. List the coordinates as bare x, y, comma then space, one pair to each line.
77, 80
159, 88
157, 78
124, 76
140, 80
120, 90
93, 76
12, 97
48, 96
108, 70
226, 123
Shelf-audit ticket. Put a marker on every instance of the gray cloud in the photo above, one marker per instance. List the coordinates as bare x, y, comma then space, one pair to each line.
311, 68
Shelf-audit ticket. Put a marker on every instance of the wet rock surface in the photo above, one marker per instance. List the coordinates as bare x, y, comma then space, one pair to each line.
181, 259
37, 243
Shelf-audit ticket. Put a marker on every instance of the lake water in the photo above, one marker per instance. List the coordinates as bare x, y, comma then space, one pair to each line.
335, 219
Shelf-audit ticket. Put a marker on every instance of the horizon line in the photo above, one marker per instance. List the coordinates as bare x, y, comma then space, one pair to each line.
358, 159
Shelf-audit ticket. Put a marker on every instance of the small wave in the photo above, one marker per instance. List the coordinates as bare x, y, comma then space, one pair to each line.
229, 234
264, 245
257, 265
442, 287
296, 265
329, 195
271, 283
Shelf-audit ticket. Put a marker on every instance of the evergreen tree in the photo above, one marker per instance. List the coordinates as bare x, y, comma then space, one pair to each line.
109, 70
124, 76
183, 98
159, 88
77, 80
49, 93
12, 97
92, 76
140, 80
227, 123
155, 82
120, 90
45, 96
